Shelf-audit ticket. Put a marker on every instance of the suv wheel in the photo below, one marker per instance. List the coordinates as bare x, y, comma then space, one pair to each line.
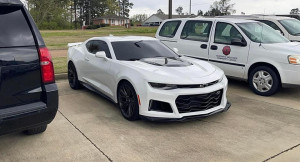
72, 77
264, 81
128, 102
36, 130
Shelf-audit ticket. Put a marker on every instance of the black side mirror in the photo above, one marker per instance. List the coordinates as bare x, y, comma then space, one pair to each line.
238, 42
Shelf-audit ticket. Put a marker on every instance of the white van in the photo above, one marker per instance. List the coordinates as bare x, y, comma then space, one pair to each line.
287, 26
244, 49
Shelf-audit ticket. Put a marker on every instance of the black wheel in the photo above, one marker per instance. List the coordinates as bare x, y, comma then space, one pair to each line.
72, 77
36, 130
264, 81
128, 102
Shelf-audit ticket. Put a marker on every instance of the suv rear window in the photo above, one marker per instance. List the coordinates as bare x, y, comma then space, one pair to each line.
169, 29
14, 28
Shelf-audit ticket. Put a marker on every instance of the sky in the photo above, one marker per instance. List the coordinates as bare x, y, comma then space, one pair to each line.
150, 7
247, 6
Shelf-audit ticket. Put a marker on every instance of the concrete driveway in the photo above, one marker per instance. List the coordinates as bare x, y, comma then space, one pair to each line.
90, 128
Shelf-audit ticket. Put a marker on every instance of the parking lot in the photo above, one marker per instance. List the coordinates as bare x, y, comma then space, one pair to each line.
90, 128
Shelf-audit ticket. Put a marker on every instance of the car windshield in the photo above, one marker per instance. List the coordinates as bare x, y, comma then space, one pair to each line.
291, 25
261, 33
136, 50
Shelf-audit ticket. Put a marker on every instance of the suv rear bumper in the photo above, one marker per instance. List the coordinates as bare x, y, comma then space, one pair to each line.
32, 115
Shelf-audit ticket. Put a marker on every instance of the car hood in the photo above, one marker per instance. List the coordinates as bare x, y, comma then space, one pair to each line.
289, 48
193, 73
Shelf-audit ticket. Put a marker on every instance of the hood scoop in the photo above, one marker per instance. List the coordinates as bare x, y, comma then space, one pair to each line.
165, 61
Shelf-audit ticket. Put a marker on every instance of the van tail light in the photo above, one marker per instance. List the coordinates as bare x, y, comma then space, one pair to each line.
46, 66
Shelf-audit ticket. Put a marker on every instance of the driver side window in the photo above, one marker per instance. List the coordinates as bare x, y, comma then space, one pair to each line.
225, 33
95, 46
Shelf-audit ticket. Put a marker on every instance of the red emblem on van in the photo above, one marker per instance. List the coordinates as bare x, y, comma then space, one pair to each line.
226, 50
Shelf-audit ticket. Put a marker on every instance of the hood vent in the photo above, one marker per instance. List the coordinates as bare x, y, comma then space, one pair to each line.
165, 61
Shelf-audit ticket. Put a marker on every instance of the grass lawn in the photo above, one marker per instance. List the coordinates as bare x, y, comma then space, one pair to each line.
60, 64
59, 39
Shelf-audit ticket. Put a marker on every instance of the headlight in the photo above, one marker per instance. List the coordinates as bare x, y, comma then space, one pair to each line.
294, 60
220, 80
163, 86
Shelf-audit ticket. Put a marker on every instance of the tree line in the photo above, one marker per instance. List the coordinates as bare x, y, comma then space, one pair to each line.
69, 14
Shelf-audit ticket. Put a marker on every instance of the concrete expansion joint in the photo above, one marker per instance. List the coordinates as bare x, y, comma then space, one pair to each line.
282, 152
108, 158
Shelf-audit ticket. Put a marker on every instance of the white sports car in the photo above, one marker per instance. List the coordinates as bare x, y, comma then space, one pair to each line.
147, 79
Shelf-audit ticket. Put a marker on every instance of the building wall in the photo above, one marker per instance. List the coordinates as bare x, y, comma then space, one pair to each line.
111, 22
153, 19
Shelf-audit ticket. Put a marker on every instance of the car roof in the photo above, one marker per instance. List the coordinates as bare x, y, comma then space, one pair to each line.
11, 2
123, 38
231, 20
260, 17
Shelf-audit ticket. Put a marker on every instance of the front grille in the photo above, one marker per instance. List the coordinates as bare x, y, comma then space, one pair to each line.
198, 85
201, 102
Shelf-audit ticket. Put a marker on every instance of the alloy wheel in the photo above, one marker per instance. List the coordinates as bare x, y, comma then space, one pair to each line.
262, 81
126, 100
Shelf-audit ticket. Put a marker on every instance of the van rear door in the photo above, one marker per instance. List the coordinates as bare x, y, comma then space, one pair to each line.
194, 39
20, 72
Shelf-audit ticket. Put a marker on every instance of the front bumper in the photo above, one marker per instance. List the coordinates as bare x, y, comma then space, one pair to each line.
290, 75
186, 118
170, 96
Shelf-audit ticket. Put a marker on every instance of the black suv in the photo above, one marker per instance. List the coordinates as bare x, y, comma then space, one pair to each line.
28, 93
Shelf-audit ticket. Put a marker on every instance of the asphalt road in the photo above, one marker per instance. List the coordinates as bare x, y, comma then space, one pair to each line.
91, 128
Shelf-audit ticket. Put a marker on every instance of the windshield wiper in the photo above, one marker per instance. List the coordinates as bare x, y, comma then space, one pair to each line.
296, 33
137, 43
134, 59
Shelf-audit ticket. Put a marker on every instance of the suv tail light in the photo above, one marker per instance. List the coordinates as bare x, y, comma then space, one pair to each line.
46, 65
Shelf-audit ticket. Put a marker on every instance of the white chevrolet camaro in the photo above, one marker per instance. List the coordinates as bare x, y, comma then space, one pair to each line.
147, 79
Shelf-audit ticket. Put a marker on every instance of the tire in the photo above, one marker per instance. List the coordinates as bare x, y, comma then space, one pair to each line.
36, 130
264, 81
73, 77
128, 102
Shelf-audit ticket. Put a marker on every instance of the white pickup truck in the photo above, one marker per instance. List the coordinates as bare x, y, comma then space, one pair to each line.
244, 49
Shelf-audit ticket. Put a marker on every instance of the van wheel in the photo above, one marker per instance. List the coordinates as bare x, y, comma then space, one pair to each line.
36, 130
264, 81
128, 102
73, 77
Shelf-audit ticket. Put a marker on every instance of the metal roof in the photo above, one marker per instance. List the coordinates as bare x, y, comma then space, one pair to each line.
11, 2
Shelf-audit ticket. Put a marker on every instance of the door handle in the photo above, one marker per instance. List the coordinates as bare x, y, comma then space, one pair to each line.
213, 47
86, 59
203, 46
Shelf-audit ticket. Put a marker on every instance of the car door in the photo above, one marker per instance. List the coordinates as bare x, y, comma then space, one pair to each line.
226, 53
97, 69
194, 39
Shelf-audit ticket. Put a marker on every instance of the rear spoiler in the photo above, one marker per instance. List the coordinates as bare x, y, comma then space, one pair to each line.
74, 44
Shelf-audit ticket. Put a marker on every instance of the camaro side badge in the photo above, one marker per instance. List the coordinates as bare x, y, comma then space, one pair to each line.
226, 50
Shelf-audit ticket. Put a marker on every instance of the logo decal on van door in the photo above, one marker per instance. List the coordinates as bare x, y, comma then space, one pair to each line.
226, 50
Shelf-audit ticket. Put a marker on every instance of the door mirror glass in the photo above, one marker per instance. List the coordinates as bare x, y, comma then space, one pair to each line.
101, 54
175, 50
238, 42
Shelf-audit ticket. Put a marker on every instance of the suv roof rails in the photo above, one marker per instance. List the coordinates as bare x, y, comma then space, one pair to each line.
11, 2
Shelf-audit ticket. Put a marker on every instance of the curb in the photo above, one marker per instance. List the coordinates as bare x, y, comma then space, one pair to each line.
61, 76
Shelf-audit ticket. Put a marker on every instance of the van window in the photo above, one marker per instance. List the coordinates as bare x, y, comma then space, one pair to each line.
291, 25
15, 31
225, 33
196, 30
271, 24
169, 29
